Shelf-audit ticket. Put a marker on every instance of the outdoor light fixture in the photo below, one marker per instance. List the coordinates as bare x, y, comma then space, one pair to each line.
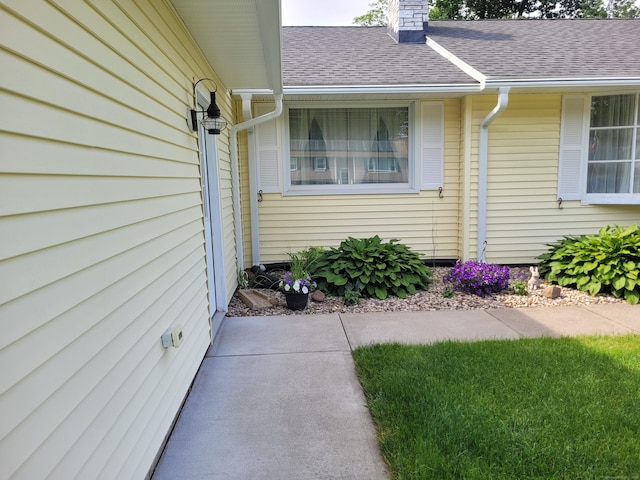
211, 119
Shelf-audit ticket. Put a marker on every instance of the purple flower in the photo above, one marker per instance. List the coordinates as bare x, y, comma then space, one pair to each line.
299, 285
478, 278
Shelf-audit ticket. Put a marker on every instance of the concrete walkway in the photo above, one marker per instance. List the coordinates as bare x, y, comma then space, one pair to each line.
277, 397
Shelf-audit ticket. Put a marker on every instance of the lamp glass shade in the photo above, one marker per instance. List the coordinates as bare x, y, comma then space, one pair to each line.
214, 125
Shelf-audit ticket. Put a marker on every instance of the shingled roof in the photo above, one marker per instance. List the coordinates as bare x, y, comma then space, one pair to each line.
542, 49
499, 49
360, 56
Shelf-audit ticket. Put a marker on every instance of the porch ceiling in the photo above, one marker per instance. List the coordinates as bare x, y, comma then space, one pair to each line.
239, 38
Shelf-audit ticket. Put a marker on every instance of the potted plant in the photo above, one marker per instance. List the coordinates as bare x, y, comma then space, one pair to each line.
296, 283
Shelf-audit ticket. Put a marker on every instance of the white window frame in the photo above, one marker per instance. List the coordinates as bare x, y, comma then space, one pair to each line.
364, 188
596, 198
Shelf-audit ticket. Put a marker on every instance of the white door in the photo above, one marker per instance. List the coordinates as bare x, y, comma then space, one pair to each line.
212, 220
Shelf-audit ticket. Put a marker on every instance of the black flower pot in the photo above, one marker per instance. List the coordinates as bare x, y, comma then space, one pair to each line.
296, 301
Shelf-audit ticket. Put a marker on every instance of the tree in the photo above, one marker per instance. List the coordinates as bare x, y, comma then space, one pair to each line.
376, 16
482, 9
485, 9
623, 9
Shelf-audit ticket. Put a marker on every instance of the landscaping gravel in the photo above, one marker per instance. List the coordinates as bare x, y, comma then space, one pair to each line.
429, 300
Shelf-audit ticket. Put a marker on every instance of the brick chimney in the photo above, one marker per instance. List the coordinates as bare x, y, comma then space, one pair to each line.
407, 20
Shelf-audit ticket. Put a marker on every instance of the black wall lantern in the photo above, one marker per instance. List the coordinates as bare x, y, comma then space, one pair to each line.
211, 119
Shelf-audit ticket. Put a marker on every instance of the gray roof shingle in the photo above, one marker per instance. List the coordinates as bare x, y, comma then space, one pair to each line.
323, 56
500, 49
516, 49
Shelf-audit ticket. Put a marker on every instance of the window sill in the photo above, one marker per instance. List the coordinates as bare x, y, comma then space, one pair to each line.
611, 199
361, 189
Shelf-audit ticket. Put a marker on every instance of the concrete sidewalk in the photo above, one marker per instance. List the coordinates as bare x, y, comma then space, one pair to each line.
277, 397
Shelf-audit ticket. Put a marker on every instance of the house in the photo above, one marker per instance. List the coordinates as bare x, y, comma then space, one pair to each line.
117, 220
123, 228
474, 140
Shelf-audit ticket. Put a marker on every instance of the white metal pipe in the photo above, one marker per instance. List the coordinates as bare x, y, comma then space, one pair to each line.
483, 166
235, 173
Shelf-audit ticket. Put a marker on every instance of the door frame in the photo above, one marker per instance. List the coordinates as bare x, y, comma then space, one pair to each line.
212, 203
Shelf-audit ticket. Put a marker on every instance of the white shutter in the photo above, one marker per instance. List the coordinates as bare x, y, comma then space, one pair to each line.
432, 145
572, 147
268, 145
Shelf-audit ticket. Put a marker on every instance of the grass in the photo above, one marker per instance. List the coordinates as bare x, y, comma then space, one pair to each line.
543, 408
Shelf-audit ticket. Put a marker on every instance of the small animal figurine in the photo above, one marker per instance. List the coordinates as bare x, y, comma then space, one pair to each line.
534, 281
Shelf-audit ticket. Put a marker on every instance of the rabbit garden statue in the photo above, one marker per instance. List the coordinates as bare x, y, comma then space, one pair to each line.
534, 281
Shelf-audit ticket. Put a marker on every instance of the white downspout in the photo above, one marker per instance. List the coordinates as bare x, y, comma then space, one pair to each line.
483, 164
235, 175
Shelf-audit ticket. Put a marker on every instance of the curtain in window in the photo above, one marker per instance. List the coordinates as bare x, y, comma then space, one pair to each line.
349, 146
611, 149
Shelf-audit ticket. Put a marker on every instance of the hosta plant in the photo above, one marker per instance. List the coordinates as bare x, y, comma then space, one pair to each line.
478, 278
379, 268
608, 262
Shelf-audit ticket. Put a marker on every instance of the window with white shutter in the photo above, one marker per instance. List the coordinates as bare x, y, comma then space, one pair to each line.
432, 145
572, 142
600, 149
268, 146
364, 149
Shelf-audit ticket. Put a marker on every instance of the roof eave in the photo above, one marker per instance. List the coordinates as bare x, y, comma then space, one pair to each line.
239, 38
561, 82
380, 89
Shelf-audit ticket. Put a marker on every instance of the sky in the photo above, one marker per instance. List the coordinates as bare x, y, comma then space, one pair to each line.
322, 12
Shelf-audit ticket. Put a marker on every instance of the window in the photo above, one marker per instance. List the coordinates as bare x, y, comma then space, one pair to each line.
383, 148
349, 149
600, 149
614, 145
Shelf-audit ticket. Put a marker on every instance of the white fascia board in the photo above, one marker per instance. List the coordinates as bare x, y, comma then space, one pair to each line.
368, 89
565, 82
458, 62
251, 91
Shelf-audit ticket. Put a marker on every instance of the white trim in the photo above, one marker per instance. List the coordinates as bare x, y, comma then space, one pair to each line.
458, 62
388, 89
565, 82
209, 150
409, 187
611, 199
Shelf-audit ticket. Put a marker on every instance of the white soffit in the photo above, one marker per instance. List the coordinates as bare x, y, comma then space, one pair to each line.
239, 38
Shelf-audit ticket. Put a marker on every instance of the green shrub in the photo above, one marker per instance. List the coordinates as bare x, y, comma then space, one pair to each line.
381, 269
352, 294
519, 287
448, 291
608, 262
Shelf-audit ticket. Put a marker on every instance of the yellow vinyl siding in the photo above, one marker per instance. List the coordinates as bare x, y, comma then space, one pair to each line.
522, 208
423, 221
103, 243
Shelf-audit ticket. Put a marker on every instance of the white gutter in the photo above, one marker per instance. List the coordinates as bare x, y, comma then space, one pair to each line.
565, 82
389, 89
483, 162
235, 175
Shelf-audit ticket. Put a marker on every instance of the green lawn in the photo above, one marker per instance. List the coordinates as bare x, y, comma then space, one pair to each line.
533, 408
